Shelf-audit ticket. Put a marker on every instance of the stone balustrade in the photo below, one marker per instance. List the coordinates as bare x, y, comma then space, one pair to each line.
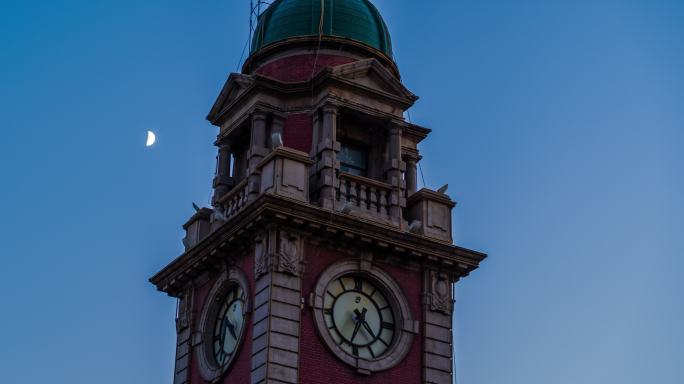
363, 197
233, 201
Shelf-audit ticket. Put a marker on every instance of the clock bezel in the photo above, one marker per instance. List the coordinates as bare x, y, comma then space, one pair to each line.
209, 368
405, 325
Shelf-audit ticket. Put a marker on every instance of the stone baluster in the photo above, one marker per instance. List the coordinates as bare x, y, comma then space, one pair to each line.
353, 197
342, 192
382, 202
363, 200
373, 201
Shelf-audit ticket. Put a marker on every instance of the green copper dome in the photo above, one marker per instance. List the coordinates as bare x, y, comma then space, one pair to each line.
358, 20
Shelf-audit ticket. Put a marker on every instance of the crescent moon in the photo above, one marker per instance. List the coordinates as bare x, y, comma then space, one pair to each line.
151, 138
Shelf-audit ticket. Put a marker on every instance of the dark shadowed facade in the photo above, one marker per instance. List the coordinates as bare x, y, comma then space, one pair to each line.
319, 261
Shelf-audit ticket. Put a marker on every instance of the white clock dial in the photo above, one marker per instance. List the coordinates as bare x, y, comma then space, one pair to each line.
228, 326
359, 317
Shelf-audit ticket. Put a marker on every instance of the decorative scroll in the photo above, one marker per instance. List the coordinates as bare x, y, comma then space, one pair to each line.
440, 293
288, 254
261, 255
184, 311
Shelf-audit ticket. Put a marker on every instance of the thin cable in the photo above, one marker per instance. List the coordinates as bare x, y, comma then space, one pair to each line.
242, 56
453, 341
318, 47
420, 168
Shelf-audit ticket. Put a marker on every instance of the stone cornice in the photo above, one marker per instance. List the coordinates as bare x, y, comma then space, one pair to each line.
256, 84
316, 42
237, 235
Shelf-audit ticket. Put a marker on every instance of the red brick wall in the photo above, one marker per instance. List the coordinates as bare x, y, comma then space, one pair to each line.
241, 368
319, 365
300, 68
298, 131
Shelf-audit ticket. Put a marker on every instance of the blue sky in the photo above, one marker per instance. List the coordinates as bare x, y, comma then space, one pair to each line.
558, 125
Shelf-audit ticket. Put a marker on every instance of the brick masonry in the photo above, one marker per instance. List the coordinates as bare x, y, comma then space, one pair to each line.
298, 131
317, 259
301, 67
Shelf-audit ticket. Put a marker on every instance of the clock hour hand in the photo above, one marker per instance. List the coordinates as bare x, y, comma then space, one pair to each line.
231, 329
360, 319
356, 330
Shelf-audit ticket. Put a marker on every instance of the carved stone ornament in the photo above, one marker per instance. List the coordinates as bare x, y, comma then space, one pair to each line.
288, 253
440, 293
184, 311
261, 257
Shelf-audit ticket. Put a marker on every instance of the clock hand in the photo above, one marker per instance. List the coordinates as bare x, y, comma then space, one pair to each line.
358, 314
231, 328
368, 328
222, 333
360, 319
356, 328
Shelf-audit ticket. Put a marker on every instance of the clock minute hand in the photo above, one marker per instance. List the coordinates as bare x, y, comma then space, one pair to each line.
359, 320
368, 328
356, 330
231, 328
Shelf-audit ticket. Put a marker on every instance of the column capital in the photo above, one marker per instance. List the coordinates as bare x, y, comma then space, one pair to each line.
394, 129
330, 108
259, 115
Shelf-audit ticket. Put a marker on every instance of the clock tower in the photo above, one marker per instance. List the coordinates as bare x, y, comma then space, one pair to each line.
319, 260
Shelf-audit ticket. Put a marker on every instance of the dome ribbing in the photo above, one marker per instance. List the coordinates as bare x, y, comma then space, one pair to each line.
357, 20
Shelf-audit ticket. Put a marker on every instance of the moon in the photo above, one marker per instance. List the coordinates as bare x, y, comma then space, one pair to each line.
151, 138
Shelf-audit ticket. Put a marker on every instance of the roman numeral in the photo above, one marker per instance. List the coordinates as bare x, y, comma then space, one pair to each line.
373, 293
387, 325
371, 352
355, 350
358, 284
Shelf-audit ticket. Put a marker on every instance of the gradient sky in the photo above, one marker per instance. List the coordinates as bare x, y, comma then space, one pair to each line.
558, 125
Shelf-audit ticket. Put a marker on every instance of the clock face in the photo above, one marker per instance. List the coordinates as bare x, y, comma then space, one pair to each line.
229, 325
358, 316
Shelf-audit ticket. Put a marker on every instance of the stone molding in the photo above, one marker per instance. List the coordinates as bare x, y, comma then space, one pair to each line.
277, 250
439, 294
406, 328
208, 368
437, 332
185, 306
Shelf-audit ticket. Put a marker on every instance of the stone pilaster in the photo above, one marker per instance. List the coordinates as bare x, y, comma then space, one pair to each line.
183, 339
223, 181
437, 341
277, 307
397, 199
326, 148
257, 151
